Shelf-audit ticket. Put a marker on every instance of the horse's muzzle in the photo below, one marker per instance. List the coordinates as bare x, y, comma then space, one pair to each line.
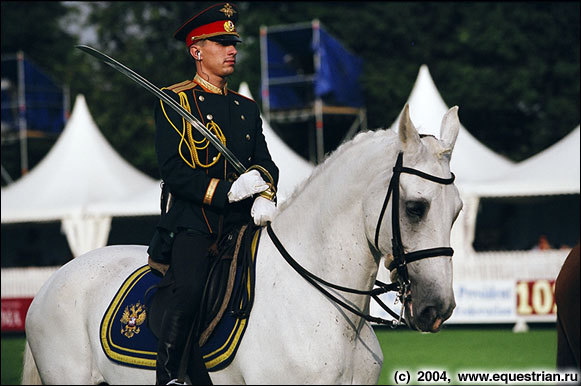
430, 318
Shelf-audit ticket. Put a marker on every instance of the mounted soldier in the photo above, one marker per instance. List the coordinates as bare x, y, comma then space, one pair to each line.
203, 198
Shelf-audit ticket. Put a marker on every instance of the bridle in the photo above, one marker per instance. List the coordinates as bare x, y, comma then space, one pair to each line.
400, 258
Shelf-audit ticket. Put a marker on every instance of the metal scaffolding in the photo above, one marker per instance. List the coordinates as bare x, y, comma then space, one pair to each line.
33, 105
307, 76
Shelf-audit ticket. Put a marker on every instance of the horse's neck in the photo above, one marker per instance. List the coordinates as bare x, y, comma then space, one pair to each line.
325, 222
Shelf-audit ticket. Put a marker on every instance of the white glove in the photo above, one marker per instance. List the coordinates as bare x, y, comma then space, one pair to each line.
263, 210
247, 185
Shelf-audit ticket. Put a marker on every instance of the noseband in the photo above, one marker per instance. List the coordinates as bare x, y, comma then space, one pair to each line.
400, 261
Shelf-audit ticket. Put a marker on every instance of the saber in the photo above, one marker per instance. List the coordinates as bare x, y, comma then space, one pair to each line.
173, 104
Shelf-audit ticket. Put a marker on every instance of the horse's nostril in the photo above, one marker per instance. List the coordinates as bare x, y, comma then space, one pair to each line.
429, 314
428, 320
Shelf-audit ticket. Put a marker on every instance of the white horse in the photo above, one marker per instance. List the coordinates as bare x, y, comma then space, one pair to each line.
295, 334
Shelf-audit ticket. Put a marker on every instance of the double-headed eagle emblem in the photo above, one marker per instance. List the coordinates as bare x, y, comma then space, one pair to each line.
132, 318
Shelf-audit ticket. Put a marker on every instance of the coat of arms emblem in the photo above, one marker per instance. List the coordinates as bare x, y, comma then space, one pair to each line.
133, 317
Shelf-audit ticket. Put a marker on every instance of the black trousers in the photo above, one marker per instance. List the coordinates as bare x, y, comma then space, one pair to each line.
190, 264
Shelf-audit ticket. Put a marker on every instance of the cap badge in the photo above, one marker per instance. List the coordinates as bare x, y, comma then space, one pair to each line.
228, 10
229, 26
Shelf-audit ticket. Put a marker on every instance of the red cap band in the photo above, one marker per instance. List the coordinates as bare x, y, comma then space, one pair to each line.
221, 27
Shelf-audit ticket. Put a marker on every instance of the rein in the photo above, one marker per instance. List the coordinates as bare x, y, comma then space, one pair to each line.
400, 261
315, 280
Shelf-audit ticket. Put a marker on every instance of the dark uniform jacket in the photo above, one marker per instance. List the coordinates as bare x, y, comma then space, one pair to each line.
194, 173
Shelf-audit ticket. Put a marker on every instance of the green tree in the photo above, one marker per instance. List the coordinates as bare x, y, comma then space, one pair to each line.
512, 67
33, 27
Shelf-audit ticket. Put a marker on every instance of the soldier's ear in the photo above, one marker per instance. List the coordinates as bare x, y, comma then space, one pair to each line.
195, 52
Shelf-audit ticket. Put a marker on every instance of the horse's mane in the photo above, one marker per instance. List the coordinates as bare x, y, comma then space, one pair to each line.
364, 138
380, 137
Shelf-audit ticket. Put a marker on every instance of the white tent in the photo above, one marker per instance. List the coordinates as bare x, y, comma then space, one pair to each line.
81, 168
553, 171
142, 203
480, 172
471, 159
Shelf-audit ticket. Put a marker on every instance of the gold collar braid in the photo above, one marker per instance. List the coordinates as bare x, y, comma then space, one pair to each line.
209, 86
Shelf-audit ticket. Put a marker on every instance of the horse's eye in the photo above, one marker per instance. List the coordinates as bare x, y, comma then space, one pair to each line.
416, 209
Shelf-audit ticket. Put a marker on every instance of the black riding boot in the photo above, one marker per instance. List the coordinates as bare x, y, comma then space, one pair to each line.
175, 328
197, 370
170, 346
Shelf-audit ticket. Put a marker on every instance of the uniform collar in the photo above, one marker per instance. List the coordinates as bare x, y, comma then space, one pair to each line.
210, 87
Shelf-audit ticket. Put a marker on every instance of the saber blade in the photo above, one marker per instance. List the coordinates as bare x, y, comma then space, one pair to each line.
173, 104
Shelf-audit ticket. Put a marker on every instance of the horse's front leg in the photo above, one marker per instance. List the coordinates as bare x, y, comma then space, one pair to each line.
367, 358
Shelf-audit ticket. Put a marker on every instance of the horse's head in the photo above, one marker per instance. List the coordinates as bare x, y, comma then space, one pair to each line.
423, 204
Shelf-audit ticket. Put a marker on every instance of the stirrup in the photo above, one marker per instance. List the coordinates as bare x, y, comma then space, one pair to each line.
175, 382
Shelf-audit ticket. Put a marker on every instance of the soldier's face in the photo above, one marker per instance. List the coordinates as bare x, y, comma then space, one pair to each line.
218, 59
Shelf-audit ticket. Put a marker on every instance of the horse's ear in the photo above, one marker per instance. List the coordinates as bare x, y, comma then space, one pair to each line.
407, 132
450, 128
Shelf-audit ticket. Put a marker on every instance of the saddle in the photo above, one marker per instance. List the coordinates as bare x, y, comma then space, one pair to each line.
221, 294
227, 300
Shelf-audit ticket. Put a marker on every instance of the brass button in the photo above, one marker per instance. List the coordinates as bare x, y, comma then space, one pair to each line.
242, 117
249, 158
236, 102
214, 159
201, 98
209, 117
248, 137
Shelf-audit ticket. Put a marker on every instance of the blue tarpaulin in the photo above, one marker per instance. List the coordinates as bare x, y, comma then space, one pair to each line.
44, 103
293, 80
338, 77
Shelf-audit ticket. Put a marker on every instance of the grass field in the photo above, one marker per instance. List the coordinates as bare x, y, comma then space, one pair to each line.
453, 349
457, 349
12, 350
